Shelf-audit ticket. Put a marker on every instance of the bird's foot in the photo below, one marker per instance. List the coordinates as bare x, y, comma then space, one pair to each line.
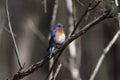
58, 46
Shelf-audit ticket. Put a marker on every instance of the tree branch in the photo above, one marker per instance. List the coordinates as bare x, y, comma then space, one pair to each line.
55, 9
45, 6
57, 71
105, 51
118, 11
12, 34
74, 13
88, 9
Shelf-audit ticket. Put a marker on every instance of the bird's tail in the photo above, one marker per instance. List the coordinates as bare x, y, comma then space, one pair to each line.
50, 51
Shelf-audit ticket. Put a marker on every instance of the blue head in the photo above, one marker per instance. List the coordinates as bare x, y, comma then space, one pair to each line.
58, 26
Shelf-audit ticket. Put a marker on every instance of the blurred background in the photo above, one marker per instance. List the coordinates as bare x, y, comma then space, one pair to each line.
31, 25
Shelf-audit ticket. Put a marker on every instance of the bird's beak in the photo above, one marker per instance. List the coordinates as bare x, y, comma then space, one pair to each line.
61, 27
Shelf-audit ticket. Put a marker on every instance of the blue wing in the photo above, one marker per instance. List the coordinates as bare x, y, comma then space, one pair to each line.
51, 42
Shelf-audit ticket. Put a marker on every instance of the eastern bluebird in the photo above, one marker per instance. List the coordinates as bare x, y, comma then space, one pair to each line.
57, 37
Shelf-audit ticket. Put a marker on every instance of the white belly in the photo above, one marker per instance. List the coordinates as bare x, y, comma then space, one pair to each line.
61, 39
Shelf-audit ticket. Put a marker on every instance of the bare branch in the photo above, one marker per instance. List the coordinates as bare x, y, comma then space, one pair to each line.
51, 72
52, 67
105, 51
80, 2
88, 9
31, 69
58, 52
91, 8
54, 13
12, 34
57, 71
45, 6
7, 30
116, 2
74, 12
118, 9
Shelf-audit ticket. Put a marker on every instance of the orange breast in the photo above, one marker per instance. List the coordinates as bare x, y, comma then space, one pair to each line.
59, 32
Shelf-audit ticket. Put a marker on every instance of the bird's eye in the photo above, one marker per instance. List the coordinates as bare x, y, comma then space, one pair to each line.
59, 26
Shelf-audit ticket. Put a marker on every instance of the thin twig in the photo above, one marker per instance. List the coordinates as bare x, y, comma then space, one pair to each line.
116, 3
74, 12
12, 34
45, 6
7, 30
91, 8
52, 67
58, 52
57, 71
54, 13
80, 3
88, 9
118, 9
105, 51
31, 69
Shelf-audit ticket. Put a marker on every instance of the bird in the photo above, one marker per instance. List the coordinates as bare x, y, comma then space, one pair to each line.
57, 37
